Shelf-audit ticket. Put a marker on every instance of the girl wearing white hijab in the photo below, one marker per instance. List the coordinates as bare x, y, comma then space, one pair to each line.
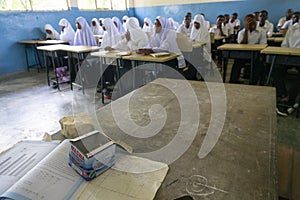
135, 38
96, 28
174, 24
84, 35
119, 25
125, 18
164, 40
200, 33
111, 35
148, 27
51, 33
67, 32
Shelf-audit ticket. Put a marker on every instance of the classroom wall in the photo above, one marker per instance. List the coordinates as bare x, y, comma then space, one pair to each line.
16, 26
212, 8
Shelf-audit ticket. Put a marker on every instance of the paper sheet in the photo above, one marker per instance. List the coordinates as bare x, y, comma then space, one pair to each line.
131, 178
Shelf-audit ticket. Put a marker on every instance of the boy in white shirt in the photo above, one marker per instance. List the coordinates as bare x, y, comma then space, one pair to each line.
186, 26
263, 23
249, 35
235, 22
282, 20
219, 29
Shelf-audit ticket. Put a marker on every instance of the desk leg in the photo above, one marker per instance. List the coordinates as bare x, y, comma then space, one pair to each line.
26, 54
251, 68
47, 69
271, 69
101, 78
225, 63
54, 68
37, 58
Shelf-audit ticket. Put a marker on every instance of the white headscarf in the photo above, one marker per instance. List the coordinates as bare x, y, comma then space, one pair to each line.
111, 35
125, 17
119, 25
150, 28
165, 40
68, 33
138, 38
84, 36
54, 34
97, 29
202, 35
174, 24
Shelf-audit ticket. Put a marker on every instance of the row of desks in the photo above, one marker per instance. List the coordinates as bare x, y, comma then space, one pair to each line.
274, 55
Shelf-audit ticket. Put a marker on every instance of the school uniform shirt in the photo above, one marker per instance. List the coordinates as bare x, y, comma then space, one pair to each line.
267, 28
165, 41
68, 33
119, 25
97, 29
287, 24
202, 35
254, 37
138, 38
229, 28
292, 37
281, 21
236, 22
217, 32
182, 29
54, 34
84, 36
111, 34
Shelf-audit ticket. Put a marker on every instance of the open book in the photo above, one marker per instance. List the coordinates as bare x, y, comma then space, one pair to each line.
53, 178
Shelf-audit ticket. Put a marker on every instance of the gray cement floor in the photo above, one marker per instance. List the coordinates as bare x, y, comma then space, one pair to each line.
29, 108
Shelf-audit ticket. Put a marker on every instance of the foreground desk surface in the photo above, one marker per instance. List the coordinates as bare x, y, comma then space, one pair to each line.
281, 51
242, 47
242, 163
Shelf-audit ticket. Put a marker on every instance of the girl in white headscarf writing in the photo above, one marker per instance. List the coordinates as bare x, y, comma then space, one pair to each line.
200, 33
84, 35
67, 32
96, 28
51, 33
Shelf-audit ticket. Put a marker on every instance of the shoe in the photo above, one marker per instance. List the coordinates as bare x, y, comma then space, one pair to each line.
293, 108
281, 111
107, 96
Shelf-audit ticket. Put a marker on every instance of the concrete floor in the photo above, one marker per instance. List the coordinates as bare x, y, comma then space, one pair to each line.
29, 108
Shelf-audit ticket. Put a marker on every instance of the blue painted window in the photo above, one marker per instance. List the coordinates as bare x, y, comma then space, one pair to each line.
33, 5
102, 4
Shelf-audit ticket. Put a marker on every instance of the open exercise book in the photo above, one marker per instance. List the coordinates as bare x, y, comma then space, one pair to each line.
52, 178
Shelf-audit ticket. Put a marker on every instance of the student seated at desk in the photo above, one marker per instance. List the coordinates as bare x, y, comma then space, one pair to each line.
96, 28
282, 20
264, 25
51, 33
199, 33
292, 39
124, 20
148, 27
219, 29
84, 35
67, 32
134, 39
119, 25
186, 26
111, 34
164, 40
249, 35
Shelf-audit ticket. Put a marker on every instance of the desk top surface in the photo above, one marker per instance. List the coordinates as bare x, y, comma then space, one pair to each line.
198, 44
43, 42
241, 165
148, 58
282, 51
242, 47
107, 54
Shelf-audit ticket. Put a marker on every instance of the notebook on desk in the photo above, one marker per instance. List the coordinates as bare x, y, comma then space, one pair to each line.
160, 54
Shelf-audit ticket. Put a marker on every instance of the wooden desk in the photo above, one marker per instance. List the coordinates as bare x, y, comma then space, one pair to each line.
240, 51
32, 44
51, 51
281, 56
105, 59
78, 53
243, 161
275, 41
